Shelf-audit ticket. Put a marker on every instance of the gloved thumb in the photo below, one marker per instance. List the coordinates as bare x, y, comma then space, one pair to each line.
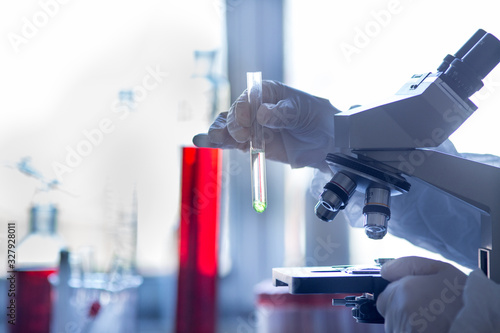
401, 267
319, 180
283, 115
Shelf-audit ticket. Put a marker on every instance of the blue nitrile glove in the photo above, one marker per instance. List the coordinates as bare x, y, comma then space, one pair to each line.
298, 127
424, 295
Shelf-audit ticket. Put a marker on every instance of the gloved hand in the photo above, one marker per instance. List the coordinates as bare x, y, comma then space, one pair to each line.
481, 311
298, 127
424, 295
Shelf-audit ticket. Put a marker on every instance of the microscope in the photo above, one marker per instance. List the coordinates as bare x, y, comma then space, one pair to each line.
382, 146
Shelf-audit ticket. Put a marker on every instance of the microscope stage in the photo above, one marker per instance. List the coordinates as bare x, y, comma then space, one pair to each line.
330, 279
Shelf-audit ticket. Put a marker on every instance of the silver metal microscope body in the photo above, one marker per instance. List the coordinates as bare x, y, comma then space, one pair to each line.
395, 139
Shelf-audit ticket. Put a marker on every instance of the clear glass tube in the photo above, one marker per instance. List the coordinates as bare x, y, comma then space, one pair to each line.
257, 147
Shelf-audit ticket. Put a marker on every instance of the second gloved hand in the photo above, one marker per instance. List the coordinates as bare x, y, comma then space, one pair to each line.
298, 127
424, 295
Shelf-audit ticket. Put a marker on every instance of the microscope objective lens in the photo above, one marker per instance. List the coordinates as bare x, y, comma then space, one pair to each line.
377, 212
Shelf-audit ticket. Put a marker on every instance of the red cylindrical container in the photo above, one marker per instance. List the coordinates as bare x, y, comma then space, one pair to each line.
33, 301
198, 239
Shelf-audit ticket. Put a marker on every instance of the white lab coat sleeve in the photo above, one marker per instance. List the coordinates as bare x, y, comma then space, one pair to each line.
481, 310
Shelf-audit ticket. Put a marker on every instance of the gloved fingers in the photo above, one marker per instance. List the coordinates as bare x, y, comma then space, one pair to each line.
282, 115
318, 182
389, 306
203, 141
401, 267
242, 110
218, 132
218, 135
273, 91
398, 295
274, 146
400, 301
238, 120
385, 299
417, 303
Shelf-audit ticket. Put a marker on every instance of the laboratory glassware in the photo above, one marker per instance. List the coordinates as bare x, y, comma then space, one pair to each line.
257, 144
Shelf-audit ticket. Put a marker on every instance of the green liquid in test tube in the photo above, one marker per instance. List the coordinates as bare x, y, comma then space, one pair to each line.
257, 149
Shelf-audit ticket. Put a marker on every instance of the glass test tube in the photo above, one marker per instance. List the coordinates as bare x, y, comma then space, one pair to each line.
257, 152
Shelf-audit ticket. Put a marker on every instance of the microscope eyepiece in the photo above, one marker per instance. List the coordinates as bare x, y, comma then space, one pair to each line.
484, 56
462, 51
464, 73
335, 196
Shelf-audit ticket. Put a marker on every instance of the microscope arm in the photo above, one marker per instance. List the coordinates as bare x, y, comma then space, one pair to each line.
474, 183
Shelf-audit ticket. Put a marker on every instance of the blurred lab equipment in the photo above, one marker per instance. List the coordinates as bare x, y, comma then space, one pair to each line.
279, 311
61, 296
37, 257
206, 67
206, 92
257, 144
378, 146
198, 240
121, 202
126, 101
90, 302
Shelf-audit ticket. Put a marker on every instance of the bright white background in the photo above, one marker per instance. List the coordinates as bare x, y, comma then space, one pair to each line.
63, 78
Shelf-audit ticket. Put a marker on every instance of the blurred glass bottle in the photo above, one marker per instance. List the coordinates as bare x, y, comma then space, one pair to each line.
207, 94
37, 256
218, 94
124, 235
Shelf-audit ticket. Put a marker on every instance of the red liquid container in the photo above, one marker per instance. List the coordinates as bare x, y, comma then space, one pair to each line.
37, 257
197, 279
33, 301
